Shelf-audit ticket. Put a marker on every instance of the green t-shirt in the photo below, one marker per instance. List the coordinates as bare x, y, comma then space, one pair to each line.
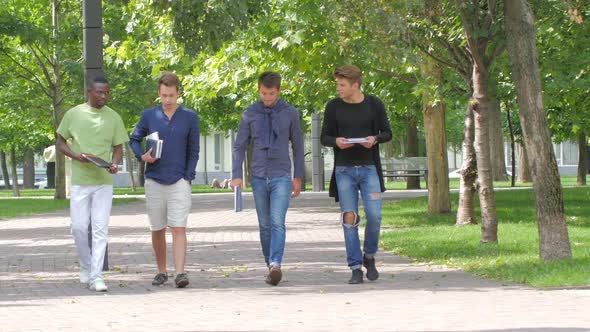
94, 131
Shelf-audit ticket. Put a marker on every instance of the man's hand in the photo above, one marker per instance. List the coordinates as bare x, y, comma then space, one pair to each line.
113, 169
341, 143
81, 157
237, 183
296, 187
372, 140
147, 157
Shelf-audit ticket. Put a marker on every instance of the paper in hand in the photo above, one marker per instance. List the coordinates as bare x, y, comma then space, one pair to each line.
358, 140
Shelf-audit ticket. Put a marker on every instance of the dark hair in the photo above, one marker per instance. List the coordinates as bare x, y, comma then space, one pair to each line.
169, 80
96, 80
270, 79
351, 73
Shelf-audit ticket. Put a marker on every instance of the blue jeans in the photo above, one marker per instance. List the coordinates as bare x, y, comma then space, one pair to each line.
350, 180
272, 197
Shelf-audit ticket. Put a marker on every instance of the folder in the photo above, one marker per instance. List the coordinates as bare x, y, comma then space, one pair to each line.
238, 205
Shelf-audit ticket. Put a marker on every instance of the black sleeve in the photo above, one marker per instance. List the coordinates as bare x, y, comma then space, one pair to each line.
384, 134
329, 130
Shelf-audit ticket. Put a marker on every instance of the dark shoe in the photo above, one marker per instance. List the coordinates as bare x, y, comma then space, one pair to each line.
160, 279
181, 280
369, 264
274, 276
357, 277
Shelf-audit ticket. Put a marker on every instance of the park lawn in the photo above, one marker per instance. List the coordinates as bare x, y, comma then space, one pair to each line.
204, 189
196, 189
409, 231
400, 184
10, 208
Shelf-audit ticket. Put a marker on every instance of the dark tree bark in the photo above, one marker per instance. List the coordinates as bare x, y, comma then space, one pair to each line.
512, 146
5, 174
15, 190
520, 31
412, 151
582, 159
524, 171
29, 170
496, 140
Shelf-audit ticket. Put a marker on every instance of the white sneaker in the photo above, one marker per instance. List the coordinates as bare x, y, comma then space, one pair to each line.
99, 286
84, 275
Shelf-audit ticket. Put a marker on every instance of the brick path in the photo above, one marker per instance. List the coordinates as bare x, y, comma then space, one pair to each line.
39, 290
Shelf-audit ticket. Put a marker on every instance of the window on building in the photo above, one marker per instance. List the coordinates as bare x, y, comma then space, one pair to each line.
570, 153
218, 149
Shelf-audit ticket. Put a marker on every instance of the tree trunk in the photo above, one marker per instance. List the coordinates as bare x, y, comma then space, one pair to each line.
466, 210
141, 173
439, 200
496, 140
487, 201
412, 143
29, 170
5, 174
15, 190
512, 146
129, 159
582, 159
553, 234
524, 171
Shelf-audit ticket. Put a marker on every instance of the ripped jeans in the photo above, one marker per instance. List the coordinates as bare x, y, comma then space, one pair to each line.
350, 180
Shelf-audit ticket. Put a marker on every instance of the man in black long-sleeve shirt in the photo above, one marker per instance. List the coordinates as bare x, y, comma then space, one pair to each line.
354, 125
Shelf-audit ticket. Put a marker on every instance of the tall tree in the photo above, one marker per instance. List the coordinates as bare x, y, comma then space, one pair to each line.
484, 39
44, 52
553, 235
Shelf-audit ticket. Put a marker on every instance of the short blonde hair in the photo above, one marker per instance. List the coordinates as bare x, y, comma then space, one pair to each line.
351, 73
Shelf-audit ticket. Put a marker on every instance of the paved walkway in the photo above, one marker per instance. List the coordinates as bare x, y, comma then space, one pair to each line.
39, 290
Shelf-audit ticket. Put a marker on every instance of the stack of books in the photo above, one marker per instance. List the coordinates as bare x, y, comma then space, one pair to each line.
153, 141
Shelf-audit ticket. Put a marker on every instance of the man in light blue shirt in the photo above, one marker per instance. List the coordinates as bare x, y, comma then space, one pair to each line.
270, 124
168, 179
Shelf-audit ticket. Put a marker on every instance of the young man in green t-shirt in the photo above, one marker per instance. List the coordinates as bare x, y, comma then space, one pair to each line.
93, 129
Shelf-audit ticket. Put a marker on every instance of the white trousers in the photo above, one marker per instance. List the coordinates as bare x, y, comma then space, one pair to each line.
91, 205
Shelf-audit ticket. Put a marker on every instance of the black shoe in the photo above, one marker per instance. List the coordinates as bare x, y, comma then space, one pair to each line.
181, 280
369, 264
160, 279
357, 277
274, 276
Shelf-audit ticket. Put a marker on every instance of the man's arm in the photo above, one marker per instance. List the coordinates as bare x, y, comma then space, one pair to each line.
298, 152
140, 131
117, 157
242, 141
192, 150
329, 130
65, 149
384, 128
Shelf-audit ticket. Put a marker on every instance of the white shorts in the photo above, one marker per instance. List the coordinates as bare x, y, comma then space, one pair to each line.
167, 205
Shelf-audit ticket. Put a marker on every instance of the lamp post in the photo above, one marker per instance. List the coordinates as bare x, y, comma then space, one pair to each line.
92, 30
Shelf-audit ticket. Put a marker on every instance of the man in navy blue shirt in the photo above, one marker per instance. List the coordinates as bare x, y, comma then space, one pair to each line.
168, 178
269, 125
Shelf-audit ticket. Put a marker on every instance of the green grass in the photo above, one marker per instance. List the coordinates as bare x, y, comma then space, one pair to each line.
10, 208
196, 189
516, 256
400, 184
203, 189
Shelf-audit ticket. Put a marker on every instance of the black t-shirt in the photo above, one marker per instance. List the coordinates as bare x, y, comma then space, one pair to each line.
354, 121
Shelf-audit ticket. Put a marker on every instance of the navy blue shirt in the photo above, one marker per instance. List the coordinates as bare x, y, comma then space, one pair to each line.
269, 130
180, 149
